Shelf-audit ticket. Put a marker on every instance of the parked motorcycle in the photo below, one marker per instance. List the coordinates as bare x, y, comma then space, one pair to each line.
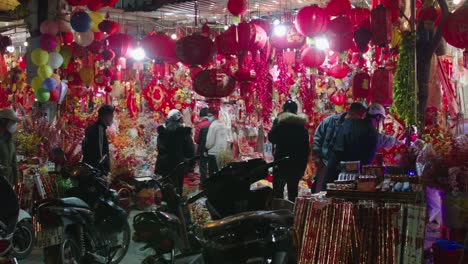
87, 227
247, 236
23, 236
8, 217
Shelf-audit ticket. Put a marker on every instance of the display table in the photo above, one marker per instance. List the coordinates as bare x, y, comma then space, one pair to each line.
360, 228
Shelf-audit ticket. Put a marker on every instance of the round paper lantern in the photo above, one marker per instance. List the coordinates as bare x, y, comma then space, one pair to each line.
392, 6
381, 25
361, 85
340, 34
78, 2
94, 5
194, 49
54, 95
110, 27
237, 7
214, 83
67, 38
49, 84
42, 95
358, 16
87, 75
249, 36
22, 64
362, 37
312, 21
44, 71
109, 3
49, 26
455, 27
107, 54
48, 42
338, 7
160, 47
290, 40
312, 57
339, 71
55, 60
36, 83
382, 87
98, 35
121, 44
263, 24
80, 21
338, 99
39, 56
84, 39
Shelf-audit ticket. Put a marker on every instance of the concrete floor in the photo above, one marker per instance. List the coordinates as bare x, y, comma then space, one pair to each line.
134, 254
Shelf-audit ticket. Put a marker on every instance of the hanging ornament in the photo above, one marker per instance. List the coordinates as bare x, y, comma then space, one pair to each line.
264, 24
84, 39
214, 83
77, 2
339, 71
312, 21
159, 47
246, 37
338, 99
359, 16
382, 87
392, 5
107, 54
121, 44
312, 57
362, 37
340, 34
109, 27
288, 38
455, 27
237, 8
338, 7
67, 38
49, 26
80, 21
361, 85
48, 42
381, 25
194, 50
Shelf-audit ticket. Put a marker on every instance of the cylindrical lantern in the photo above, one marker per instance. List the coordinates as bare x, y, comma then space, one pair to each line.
382, 87
392, 5
361, 85
381, 25
312, 21
194, 49
213, 83
287, 37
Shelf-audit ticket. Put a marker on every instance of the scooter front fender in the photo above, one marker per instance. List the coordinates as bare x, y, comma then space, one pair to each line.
23, 215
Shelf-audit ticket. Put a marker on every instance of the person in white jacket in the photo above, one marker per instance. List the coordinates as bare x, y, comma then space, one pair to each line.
217, 140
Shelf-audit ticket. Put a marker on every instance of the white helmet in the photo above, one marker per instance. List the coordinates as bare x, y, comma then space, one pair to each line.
376, 109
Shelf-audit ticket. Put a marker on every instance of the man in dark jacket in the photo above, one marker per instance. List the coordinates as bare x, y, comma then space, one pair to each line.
201, 131
95, 144
290, 139
175, 145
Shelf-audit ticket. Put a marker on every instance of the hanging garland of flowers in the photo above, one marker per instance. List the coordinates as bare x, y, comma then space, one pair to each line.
403, 82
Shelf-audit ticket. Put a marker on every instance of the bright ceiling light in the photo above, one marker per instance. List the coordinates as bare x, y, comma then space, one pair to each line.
279, 30
174, 36
25, 43
276, 22
456, 2
138, 54
10, 49
226, 27
322, 43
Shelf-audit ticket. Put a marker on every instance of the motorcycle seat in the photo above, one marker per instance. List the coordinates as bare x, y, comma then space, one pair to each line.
282, 217
74, 202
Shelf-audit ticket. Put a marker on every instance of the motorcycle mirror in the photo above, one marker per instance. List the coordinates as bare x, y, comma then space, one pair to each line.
58, 152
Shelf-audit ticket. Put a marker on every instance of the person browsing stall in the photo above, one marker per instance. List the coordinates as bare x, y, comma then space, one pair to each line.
8, 127
217, 140
201, 132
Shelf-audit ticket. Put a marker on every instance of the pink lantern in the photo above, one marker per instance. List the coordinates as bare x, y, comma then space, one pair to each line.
340, 34
338, 7
159, 46
358, 16
237, 7
121, 44
312, 57
290, 40
339, 71
110, 27
338, 99
312, 21
246, 36
49, 26
263, 24
48, 42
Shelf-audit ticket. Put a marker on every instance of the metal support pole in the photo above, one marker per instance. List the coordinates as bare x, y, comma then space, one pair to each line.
413, 30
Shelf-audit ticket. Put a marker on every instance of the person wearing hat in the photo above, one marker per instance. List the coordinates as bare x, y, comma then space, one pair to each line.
218, 140
290, 139
96, 144
8, 122
376, 114
175, 144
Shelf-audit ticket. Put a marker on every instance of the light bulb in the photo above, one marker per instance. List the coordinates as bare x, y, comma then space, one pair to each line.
456, 2
226, 27
322, 43
174, 36
10, 49
25, 43
279, 30
276, 22
138, 54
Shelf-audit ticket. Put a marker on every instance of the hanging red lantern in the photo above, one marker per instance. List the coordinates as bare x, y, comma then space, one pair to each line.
312, 57
95, 5
340, 34
74, 79
455, 27
249, 36
159, 46
98, 35
108, 73
393, 7
77, 2
312, 21
339, 71
237, 7
361, 85
214, 83
358, 16
121, 44
362, 37
107, 54
291, 39
338, 99
109, 3
194, 49
338, 7
101, 80
95, 47
245, 75
263, 24
225, 46
382, 87
381, 25
109, 27
67, 38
